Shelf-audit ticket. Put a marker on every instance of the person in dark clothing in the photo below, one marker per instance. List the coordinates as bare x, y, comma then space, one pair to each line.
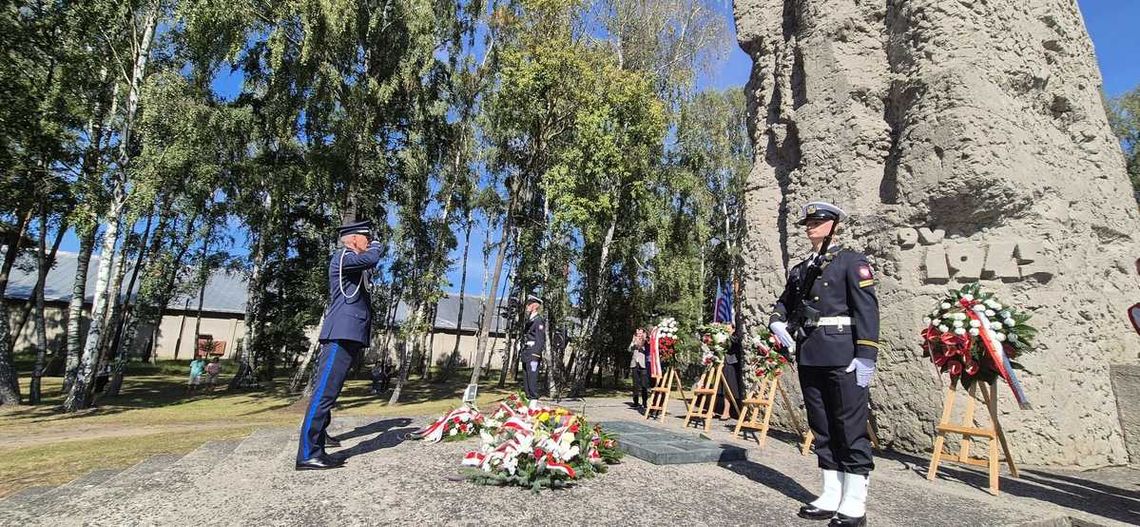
533, 346
836, 348
733, 362
638, 367
346, 330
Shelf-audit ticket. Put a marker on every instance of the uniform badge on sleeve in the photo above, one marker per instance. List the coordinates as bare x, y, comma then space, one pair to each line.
866, 276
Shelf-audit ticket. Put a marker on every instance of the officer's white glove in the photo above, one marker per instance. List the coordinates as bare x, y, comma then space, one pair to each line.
864, 369
780, 330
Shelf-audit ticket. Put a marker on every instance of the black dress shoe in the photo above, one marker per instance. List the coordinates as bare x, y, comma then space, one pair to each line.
812, 512
846, 521
332, 442
320, 461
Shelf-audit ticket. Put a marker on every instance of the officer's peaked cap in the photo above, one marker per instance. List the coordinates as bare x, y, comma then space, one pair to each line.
531, 299
356, 227
821, 210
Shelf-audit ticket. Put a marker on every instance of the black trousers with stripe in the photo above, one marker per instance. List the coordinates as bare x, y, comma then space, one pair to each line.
335, 360
837, 413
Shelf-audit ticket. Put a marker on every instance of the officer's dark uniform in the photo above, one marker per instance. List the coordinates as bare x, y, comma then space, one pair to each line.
733, 370
345, 332
844, 294
533, 345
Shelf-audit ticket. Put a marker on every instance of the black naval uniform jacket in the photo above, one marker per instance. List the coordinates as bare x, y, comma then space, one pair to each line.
535, 340
844, 288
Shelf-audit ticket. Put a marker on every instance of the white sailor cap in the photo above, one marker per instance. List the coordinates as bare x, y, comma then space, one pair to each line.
821, 210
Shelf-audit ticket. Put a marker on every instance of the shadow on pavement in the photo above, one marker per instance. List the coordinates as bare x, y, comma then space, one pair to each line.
1091, 491
388, 435
770, 478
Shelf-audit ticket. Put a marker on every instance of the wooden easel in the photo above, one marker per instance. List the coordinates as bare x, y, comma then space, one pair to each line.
967, 429
704, 396
757, 412
659, 401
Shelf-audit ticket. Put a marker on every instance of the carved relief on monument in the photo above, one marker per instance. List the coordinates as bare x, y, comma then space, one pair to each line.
962, 260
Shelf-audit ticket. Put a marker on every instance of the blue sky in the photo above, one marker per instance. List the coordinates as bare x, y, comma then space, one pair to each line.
1112, 24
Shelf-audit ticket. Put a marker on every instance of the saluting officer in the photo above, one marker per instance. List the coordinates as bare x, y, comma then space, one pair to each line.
345, 332
836, 356
534, 344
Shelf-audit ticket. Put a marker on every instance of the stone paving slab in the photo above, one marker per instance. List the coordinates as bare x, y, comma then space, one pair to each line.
390, 480
662, 447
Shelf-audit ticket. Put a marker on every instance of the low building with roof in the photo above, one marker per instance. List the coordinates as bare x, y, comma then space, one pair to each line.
222, 315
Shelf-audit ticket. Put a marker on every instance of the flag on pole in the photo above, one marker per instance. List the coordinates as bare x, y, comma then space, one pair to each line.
722, 310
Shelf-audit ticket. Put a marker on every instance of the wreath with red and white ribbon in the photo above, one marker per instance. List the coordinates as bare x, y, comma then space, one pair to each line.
973, 336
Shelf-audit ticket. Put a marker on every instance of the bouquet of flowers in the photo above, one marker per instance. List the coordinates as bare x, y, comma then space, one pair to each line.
667, 339
538, 446
460, 423
715, 340
972, 336
761, 360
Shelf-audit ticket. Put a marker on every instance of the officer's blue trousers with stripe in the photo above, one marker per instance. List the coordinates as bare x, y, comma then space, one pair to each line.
335, 360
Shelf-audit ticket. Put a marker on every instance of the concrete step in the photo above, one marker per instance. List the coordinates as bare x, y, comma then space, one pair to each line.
210, 468
78, 501
22, 497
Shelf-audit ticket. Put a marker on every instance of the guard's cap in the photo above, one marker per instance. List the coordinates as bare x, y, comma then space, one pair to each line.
531, 299
821, 210
358, 227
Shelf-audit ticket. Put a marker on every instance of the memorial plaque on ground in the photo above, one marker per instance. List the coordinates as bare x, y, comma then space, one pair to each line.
662, 447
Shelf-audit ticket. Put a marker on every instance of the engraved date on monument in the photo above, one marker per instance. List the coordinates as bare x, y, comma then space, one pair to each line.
965, 261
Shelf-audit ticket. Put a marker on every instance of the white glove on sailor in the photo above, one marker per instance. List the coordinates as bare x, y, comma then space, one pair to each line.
780, 330
864, 369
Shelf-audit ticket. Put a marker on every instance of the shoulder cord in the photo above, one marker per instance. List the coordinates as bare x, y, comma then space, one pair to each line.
340, 279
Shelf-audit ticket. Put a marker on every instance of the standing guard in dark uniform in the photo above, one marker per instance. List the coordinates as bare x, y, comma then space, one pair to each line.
345, 332
829, 313
533, 345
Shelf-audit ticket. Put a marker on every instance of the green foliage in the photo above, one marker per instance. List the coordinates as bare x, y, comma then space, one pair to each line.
1124, 116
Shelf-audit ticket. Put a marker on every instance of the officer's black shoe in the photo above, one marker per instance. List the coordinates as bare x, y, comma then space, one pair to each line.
812, 512
332, 442
320, 461
846, 521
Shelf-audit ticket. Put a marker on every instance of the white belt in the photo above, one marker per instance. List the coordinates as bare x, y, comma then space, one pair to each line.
530, 343
834, 321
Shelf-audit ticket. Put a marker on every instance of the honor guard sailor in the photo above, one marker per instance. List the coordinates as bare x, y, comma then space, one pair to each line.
828, 315
346, 330
533, 345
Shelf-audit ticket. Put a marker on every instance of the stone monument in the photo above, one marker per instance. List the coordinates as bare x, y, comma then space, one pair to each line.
969, 141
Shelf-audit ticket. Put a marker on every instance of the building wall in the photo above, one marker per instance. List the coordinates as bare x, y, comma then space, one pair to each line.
444, 343
227, 329
55, 317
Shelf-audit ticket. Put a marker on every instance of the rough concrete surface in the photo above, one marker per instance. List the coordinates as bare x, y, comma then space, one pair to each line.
393, 481
969, 141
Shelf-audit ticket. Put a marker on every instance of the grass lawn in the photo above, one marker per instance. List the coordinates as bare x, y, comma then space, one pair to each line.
153, 415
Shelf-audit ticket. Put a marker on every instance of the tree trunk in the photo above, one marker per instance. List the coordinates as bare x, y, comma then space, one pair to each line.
78, 398
74, 340
34, 394
405, 359
9, 384
489, 302
253, 305
82, 390
581, 366
449, 368
300, 374
125, 332
430, 353
30, 306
